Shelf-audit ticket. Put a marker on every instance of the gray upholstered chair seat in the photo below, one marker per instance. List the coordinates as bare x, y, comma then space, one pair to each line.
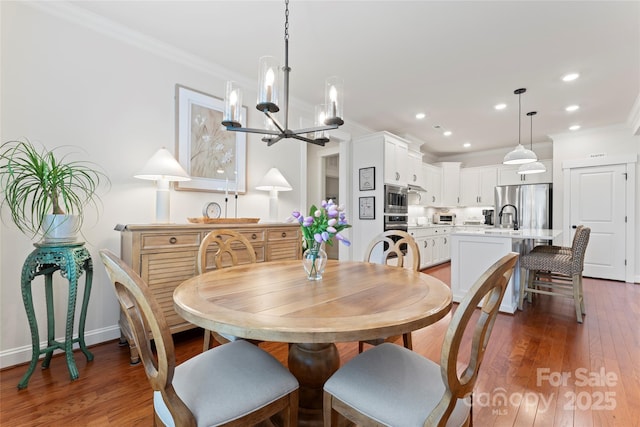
550, 249
413, 386
558, 262
242, 378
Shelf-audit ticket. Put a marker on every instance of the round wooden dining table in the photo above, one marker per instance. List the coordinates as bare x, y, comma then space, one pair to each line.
274, 301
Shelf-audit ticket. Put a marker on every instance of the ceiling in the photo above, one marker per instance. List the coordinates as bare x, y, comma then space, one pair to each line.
452, 60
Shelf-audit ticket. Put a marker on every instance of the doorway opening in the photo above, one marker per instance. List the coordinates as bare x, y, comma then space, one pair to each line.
331, 186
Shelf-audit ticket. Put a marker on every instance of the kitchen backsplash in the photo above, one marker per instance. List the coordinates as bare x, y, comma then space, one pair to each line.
421, 215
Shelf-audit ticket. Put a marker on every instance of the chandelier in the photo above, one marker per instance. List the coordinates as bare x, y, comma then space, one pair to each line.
328, 116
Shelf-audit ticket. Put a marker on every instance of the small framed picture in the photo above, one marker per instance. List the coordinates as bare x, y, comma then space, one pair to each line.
368, 178
367, 207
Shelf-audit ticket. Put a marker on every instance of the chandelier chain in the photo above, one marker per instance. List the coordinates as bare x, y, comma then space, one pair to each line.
286, 20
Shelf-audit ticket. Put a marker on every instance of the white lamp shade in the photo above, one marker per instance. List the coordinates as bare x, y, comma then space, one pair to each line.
274, 180
519, 155
163, 166
531, 168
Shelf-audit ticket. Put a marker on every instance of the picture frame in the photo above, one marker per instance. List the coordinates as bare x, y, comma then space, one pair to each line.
367, 179
367, 208
214, 158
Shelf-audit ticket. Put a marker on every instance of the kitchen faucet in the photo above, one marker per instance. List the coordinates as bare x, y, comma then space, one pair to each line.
515, 220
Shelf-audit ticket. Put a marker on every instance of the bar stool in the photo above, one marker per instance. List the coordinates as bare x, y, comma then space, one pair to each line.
71, 259
557, 272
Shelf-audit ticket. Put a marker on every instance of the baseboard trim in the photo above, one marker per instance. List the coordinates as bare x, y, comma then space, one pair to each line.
20, 355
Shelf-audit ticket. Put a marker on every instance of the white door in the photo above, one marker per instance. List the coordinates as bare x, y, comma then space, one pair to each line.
598, 202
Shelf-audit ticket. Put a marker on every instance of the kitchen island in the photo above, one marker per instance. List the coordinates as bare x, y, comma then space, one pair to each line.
474, 251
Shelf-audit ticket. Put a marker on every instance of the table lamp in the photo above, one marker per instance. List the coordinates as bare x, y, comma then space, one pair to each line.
273, 182
163, 168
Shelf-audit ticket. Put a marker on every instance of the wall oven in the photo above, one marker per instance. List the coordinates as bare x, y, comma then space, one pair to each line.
396, 208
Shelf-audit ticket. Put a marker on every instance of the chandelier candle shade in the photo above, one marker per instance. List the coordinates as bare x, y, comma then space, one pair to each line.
533, 167
320, 227
270, 97
520, 154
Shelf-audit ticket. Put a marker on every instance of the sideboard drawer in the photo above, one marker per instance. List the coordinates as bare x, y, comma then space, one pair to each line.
280, 234
163, 241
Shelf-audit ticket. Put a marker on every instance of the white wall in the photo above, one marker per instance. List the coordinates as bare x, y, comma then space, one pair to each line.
112, 94
607, 141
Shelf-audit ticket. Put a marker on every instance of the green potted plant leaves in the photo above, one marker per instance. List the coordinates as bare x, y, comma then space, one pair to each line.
46, 191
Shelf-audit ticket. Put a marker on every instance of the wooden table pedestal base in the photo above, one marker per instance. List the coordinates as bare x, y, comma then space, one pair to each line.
312, 365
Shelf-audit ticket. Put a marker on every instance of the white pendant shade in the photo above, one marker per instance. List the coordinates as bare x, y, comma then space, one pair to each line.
519, 156
531, 168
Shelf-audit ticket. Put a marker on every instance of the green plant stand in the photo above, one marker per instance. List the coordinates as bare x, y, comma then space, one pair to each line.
71, 259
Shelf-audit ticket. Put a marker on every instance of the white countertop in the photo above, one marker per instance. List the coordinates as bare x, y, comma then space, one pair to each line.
461, 226
538, 234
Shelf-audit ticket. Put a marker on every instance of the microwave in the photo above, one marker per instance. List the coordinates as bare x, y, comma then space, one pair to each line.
444, 218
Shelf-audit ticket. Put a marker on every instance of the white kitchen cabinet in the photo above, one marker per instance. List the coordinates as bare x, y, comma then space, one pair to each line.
477, 186
396, 161
450, 184
433, 185
416, 175
434, 244
508, 175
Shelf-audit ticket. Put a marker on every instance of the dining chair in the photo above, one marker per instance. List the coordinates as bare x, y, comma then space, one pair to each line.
390, 385
556, 272
234, 384
396, 247
230, 248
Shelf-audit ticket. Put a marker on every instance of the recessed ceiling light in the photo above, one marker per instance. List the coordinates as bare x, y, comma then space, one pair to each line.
466, 145
572, 107
420, 116
447, 133
574, 127
570, 77
500, 106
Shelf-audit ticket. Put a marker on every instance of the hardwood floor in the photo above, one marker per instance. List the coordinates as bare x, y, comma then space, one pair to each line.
541, 368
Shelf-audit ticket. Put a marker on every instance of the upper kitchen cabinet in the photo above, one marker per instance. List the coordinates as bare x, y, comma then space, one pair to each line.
388, 153
416, 175
432, 195
508, 175
450, 184
396, 161
477, 186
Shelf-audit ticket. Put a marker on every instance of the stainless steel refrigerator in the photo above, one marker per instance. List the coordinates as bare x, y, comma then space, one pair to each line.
532, 201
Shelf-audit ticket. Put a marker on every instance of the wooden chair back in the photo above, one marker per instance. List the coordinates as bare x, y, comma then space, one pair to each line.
397, 242
488, 289
144, 314
230, 244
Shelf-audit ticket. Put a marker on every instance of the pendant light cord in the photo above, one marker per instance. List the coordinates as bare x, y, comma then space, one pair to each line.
519, 92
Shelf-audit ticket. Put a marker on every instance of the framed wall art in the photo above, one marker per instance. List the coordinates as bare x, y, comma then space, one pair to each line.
367, 179
215, 158
367, 207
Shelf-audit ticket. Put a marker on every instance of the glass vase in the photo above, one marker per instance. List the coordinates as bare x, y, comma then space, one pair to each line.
314, 260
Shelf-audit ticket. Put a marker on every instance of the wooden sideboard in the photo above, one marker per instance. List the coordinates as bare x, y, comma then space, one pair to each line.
164, 255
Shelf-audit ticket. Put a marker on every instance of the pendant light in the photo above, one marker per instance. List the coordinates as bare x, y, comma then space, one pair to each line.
533, 167
520, 154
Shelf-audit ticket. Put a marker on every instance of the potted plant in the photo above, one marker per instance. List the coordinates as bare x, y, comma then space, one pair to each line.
46, 191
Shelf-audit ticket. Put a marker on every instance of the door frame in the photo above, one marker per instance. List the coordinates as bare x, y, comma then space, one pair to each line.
630, 161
